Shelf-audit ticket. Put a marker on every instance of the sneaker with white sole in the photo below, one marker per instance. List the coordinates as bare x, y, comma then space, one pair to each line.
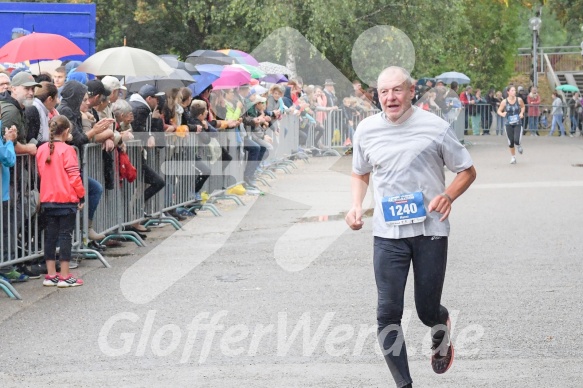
513, 160
69, 281
51, 281
519, 149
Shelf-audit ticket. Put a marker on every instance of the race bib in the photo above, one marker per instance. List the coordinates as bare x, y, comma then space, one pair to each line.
514, 119
404, 209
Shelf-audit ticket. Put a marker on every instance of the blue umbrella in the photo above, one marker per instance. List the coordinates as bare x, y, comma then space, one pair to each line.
203, 81
210, 69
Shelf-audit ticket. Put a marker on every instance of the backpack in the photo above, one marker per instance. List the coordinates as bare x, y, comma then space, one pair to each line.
126, 169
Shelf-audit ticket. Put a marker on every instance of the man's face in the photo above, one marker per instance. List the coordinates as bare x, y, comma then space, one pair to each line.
152, 102
113, 96
23, 94
58, 79
4, 84
330, 88
52, 102
94, 100
394, 94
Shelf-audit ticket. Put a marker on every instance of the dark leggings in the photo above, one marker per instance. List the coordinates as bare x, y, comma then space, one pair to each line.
59, 229
392, 258
514, 133
153, 179
203, 172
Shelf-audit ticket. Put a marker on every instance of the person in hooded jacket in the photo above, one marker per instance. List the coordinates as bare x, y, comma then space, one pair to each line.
147, 119
72, 95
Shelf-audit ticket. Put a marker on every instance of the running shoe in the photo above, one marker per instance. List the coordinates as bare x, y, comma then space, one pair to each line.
32, 272
519, 149
513, 160
15, 277
51, 281
441, 363
69, 281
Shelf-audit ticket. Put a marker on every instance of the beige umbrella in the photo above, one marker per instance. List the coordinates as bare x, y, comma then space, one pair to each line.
126, 61
45, 66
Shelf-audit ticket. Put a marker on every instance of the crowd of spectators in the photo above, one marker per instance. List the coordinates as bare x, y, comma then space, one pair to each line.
480, 109
102, 111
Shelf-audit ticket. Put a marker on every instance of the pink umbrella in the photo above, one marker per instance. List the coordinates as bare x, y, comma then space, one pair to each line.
232, 77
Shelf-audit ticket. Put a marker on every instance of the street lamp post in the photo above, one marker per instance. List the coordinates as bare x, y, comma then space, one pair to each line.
534, 23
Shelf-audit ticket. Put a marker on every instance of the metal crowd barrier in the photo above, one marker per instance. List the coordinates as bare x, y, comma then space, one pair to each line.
21, 235
122, 203
337, 126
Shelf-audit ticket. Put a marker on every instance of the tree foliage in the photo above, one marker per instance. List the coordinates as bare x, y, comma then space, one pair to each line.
477, 37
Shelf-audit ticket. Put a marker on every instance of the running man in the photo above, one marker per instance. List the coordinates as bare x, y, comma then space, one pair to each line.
513, 109
405, 148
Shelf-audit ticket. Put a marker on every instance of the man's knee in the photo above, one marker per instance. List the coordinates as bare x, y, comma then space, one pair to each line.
389, 314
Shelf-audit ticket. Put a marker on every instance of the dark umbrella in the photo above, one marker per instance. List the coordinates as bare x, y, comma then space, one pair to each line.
200, 57
173, 62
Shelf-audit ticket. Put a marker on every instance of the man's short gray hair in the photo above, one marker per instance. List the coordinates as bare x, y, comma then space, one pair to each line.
408, 79
120, 107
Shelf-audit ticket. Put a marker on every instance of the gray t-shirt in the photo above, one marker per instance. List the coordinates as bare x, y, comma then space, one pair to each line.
406, 158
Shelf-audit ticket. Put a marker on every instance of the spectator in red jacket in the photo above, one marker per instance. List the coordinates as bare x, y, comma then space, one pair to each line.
61, 195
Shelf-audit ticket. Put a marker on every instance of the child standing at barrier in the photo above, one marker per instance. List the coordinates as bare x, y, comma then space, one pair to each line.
61, 195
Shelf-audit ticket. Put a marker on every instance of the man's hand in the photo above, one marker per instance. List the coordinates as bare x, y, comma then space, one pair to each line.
31, 149
151, 142
232, 123
108, 145
170, 128
441, 204
354, 218
198, 128
127, 135
80, 206
103, 125
156, 114
10, 134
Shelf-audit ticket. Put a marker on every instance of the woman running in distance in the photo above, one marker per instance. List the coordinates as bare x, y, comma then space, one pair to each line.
513, 109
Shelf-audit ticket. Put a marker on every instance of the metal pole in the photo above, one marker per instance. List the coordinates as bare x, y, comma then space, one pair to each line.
534, 59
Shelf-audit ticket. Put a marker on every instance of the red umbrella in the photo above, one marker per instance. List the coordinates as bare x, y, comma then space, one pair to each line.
38, 46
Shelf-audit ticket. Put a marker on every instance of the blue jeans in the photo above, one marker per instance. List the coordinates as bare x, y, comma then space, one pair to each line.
392, 259
533, 124
95, 191
254, 156
574, 123
557, 119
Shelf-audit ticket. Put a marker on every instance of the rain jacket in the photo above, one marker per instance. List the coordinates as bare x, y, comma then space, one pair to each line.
143, 121
7, 159
61, 183
13, 114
